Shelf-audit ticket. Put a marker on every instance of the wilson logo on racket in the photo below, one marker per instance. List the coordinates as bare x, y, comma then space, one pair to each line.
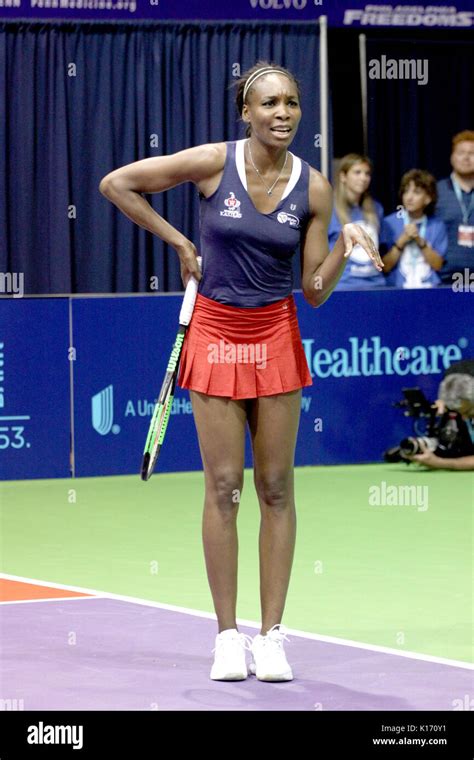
174, 356
283, 217
232, 209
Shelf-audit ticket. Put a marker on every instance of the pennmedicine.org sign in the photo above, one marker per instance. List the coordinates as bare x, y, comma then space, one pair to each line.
348, 13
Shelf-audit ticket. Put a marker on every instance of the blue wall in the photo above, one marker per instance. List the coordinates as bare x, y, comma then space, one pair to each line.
34, 389
362, 349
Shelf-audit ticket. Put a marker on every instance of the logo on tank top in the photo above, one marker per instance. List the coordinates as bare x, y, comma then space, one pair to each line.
232, 207
283, 217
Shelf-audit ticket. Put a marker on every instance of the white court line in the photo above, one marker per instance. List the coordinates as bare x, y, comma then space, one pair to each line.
249, 623
49, 599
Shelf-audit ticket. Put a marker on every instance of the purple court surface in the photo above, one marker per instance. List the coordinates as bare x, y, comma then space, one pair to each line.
107, 654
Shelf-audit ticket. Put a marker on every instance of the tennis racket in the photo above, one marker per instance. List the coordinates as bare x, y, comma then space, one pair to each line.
161, 412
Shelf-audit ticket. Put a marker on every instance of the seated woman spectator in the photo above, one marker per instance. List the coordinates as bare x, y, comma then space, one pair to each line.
413, 242
353, 203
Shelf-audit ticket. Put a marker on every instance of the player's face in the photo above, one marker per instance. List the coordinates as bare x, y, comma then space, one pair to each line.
462, 158
357, 178
273, 109
415, 198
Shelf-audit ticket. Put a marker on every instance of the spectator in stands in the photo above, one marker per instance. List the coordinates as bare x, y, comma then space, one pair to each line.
456, 208
413, 242
353, 203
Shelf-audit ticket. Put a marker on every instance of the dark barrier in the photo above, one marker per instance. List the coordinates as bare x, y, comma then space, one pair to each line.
362, 349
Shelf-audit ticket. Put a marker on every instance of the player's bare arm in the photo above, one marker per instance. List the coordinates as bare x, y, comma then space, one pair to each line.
322, 269
124, 186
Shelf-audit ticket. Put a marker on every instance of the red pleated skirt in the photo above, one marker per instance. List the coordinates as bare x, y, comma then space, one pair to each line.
243, 353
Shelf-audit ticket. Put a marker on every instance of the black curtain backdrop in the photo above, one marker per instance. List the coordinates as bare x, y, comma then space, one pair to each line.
80, 99
411, 125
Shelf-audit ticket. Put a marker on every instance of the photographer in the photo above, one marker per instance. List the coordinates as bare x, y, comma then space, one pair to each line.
456, 393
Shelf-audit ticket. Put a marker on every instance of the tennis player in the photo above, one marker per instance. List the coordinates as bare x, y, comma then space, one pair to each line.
243, 360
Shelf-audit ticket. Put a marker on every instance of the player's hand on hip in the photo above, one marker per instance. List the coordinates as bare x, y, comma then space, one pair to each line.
353, 235
189, 264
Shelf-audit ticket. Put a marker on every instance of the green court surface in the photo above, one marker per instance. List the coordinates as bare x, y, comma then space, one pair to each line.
391, 574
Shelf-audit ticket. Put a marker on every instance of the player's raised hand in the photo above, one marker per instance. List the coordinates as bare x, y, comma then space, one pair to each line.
353, 235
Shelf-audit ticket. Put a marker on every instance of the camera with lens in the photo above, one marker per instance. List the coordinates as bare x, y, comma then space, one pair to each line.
447, 435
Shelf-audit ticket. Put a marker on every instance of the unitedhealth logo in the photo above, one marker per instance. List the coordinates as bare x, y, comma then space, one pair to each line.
103, 411
366, 357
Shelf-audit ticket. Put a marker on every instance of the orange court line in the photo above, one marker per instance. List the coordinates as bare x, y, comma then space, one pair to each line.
15, 591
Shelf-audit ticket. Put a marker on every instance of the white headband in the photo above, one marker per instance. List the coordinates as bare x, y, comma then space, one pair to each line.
260, 73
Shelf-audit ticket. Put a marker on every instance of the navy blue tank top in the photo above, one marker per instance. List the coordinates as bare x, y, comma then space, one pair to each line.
247, 255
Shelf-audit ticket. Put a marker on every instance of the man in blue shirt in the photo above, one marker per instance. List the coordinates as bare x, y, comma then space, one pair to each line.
456, 208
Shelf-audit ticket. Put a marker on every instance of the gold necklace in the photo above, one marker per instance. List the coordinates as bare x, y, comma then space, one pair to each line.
269, 189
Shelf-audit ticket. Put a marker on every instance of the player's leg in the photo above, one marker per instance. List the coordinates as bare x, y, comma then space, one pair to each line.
221, 425
273, 422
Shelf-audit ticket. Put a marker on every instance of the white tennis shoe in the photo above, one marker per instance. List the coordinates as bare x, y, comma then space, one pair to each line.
269, 659
229, 661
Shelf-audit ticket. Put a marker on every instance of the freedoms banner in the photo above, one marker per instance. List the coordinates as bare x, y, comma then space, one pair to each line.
347, 13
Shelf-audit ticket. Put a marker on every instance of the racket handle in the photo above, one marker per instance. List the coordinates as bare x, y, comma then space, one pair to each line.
189, 298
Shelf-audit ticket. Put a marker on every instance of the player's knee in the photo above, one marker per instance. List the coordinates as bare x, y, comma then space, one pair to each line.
227, 489
274, 489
